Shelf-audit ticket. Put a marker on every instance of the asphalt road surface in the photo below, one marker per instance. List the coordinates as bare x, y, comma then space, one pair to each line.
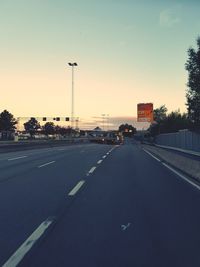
96, 205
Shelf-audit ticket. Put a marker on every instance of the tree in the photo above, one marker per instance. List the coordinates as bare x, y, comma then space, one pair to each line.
173, 122
193, 92
7, 121
32, 126
49, 128
127, 130
160, 113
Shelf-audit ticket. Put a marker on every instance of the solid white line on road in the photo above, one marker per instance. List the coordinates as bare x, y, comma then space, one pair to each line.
151, 155
43, 165
181, 175
76, 188
104, 157
92, 170
27, 245
99, 162
22, 157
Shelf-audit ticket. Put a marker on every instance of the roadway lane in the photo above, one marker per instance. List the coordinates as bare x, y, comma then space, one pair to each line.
12, 164
31, 189
131, 211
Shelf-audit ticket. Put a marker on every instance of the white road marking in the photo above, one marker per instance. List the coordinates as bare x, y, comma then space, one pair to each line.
174, 171
21, 157
92, 170
76, 188
181, 175
108, 153
43, 165
151, 155
99, 162
61, 149
124, 227
15, 259
104, 157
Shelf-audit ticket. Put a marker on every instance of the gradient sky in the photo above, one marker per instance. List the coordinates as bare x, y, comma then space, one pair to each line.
128, 52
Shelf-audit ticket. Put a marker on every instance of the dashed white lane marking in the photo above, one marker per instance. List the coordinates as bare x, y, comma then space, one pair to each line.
99, 162
92, 170
48, 163
151, 155
27, 245
22, 157
76, 188
104, 157
181, 175
108, 153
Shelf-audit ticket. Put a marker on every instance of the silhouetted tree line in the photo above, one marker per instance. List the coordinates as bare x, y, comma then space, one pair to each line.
176, 121
127, 130
168, 123
33, 127
193, 93
8, 126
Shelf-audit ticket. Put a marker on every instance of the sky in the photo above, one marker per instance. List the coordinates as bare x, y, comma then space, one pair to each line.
128, 52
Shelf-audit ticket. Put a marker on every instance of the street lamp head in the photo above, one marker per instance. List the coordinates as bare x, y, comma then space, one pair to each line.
72, 64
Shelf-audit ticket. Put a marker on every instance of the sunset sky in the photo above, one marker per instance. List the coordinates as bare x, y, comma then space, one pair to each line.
127, 52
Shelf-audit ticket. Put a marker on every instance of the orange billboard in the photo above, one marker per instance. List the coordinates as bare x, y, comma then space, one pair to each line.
145, 112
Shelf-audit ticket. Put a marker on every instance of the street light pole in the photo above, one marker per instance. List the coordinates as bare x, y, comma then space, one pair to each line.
72, 105
108, 122
103, 117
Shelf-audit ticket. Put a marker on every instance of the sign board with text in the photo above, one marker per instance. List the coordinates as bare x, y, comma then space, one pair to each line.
145, 112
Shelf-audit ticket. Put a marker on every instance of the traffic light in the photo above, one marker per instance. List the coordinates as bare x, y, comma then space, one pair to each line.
67, 119
44, 119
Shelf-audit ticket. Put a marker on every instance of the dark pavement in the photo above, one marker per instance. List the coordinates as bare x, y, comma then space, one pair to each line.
130, 211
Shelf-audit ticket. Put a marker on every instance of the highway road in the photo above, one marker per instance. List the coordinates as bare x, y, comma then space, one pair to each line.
96, 205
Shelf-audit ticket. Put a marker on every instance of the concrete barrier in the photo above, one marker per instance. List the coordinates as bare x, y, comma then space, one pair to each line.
25, 145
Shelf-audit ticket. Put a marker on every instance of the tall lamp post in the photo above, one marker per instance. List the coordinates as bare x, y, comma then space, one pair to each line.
103, 117
72, 107
108, 122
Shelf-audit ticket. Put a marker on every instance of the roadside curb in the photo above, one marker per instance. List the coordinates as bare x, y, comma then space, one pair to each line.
190, 167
